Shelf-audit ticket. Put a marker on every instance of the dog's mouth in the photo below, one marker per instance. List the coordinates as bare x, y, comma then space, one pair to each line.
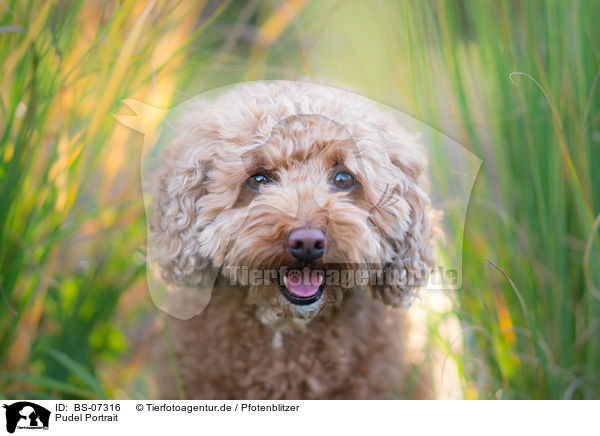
301, 287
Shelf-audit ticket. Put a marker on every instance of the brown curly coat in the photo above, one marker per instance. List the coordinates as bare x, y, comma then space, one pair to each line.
250, 342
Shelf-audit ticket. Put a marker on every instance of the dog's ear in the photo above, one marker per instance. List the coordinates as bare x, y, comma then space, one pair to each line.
411, 246
175, 217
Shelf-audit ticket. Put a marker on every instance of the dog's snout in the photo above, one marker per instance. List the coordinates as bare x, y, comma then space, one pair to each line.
306, 245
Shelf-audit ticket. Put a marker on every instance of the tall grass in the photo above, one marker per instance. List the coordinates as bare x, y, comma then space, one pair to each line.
520, 84
71, 217
535, 320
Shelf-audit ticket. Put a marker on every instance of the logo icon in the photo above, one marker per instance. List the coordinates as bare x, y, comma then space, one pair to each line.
26, 415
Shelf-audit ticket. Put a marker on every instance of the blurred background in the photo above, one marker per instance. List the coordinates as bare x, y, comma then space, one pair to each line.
73, 298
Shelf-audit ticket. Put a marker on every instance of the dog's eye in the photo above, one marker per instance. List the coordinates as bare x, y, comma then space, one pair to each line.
256, 180
343, 180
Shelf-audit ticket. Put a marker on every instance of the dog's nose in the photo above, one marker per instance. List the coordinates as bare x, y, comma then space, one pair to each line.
306, 245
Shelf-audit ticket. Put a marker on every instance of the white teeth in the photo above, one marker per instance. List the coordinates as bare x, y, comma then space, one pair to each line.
285, 280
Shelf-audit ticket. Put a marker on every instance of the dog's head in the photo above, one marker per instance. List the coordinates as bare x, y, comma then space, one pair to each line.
297, 192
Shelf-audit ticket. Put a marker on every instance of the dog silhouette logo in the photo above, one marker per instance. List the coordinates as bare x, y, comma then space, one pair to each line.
26, 415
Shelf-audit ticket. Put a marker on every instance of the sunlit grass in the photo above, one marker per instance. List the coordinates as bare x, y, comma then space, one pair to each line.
71, 215
533, 208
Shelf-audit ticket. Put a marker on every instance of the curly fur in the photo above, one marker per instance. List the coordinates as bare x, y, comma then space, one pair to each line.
250, 342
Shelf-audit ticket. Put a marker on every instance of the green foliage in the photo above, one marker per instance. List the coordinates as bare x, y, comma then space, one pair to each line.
534, 210
71, 214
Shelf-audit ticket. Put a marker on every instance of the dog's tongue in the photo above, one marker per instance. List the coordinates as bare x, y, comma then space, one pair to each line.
303, 284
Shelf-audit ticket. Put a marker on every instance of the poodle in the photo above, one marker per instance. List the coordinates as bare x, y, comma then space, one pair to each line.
308, 206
